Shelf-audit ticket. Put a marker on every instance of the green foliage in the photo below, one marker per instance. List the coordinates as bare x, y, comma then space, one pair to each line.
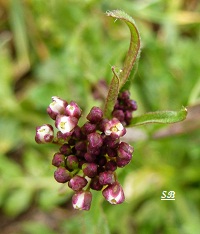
64, 48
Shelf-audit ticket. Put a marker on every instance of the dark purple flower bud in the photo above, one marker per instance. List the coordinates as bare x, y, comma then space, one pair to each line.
124, 154
94, 184
65, 149
111, 165
82, 200
77, 183
58, 160
90, 169
73, 110
124, 148
64, 136
88, 128
65, 123
101, 126
95, 115
101, 161
114, 193
124, 95
81, 146
111, 142
132, 105
112, 152
93, 151
72, 162
95, 140
56, 107
121, 162
62, 175
44, 134
119, 114
80, 154
114, 128
116, 107
89, 157
77, 133
128, 117
106, 177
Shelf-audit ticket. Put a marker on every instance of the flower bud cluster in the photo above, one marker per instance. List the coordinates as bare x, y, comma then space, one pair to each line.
124, 108
89, 154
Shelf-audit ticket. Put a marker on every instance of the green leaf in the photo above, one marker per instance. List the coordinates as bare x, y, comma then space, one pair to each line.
134, 47
164, 117
112, 95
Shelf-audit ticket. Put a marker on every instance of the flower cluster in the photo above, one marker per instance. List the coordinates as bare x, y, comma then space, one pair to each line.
89, 154
124, 108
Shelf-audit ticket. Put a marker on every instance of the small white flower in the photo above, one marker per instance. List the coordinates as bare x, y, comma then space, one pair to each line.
65, 123
114, 194
44, 134
82, 200
115, 128
56, 107
73, 110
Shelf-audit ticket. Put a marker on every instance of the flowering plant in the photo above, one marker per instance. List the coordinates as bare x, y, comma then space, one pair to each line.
89, 155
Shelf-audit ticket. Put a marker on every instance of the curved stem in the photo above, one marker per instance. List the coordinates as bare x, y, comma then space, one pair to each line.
134, 47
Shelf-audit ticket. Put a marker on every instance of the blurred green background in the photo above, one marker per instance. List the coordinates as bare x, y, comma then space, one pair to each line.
64, 48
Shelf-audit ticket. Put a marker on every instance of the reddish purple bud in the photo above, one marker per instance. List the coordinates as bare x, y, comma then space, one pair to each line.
62, 175
81, 146
73, 110
56, 107
58, 160
77, 183
121, 162
111, 142
77, 133
65, 149
112, 152
44, 134
95, 115
95, 140
65, 123
64, 136
88, 128
102, 125
90, 169
89, 157
94, 184
106, 177
132, 105
111, 165
93, 151
119, 114
82, 200
124, 95
128, 117
72, 162
114, 193
114, 128
124, 148
124, 154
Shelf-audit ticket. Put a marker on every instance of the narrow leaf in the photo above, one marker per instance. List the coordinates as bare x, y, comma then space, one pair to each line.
112, 95
165, 117
134, 47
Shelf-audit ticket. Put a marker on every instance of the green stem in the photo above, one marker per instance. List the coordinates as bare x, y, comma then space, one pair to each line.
112, 95
118, 82
134, 47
